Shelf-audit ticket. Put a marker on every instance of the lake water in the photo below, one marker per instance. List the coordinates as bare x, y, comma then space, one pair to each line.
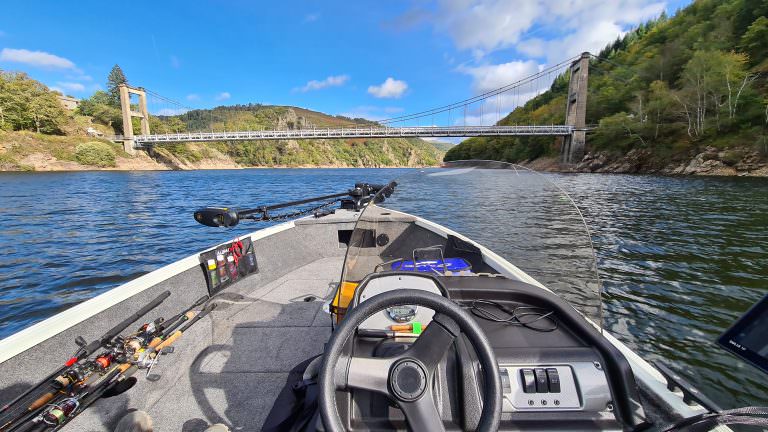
680, 258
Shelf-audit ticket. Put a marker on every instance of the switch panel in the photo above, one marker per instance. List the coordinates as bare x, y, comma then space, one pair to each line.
578, 386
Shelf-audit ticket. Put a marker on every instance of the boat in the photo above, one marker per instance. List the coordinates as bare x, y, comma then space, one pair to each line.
371, 308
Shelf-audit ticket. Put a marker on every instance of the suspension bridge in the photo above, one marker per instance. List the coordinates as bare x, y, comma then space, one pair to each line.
458, 116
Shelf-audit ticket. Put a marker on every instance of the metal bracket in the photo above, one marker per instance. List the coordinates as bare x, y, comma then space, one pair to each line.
690, 393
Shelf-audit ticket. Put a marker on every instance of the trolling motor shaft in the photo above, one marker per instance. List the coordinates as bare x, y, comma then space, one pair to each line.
227, 217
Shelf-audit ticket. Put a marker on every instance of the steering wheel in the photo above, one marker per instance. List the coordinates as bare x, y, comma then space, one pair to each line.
407, 378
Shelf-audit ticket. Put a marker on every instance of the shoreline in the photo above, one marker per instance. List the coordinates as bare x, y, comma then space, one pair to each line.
536, 165
728, 162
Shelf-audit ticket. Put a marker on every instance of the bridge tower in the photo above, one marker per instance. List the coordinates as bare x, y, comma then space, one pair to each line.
576, 110
128, 114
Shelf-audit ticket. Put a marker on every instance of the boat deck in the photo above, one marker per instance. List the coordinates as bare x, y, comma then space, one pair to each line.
231, 367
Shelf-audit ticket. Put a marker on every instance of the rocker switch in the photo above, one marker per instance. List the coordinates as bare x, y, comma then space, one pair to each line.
529, 380
554, 380
541, 380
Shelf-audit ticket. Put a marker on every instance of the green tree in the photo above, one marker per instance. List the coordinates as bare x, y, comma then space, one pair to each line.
28, 104
99, 107
47, 114
661, 105
755, 40
712, 82
115, 78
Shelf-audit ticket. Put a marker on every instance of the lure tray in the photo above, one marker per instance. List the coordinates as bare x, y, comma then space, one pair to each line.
228, 263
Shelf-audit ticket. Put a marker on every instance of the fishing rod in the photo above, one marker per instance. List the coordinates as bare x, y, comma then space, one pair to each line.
125, 371
85, 374
142, 357
153, 335
85, 350
360, 195
96, 385
170, 339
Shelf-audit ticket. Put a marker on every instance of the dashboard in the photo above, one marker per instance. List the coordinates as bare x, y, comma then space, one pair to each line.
562, 379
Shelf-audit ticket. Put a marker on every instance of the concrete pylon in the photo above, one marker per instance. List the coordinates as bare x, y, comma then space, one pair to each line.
143, 114
576, 110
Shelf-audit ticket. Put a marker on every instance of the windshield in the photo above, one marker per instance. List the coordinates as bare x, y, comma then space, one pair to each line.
471, 217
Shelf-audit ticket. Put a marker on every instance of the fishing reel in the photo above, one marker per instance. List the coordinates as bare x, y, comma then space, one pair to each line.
78, 372
136, 342
57, 413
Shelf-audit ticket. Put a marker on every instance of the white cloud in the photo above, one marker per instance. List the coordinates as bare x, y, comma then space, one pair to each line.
193, 97
331, 81
71, 86
590, 38
489, 77
390, 88
35, 58
56, 89
483, 26
171, 111
308, 18
223, 96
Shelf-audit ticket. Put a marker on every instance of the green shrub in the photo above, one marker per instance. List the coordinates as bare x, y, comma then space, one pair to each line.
96, 154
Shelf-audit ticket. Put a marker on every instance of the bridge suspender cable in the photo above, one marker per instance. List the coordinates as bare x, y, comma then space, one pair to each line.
481, 96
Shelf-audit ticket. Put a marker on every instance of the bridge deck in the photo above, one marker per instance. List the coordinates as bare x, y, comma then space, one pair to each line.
370, 132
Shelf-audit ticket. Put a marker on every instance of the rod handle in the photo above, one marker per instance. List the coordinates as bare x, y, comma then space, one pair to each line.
155, 342
41, 401
168, 341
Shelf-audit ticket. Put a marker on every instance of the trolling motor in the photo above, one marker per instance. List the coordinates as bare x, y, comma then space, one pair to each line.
353, 199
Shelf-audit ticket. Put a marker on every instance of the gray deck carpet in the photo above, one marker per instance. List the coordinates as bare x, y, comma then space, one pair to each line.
230, 368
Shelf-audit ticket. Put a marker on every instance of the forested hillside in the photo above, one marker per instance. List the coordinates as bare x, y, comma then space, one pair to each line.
36, 132
671, 90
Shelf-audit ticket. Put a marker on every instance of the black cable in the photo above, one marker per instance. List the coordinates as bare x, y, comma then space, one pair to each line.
524, 316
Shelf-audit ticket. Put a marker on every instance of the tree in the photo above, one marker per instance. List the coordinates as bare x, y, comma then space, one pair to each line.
28, 104
115, 78
99, 107
45, 109
661, 103
4, 100
755, 40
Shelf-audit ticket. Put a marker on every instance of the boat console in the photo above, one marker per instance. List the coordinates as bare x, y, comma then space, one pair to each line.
556, 371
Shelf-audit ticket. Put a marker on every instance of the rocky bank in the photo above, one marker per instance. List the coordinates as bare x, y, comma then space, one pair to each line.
711, 161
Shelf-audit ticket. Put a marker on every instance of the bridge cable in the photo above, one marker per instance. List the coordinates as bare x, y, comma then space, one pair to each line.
482, 96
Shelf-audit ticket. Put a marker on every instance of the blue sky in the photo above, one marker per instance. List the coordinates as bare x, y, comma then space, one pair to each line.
374, 59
